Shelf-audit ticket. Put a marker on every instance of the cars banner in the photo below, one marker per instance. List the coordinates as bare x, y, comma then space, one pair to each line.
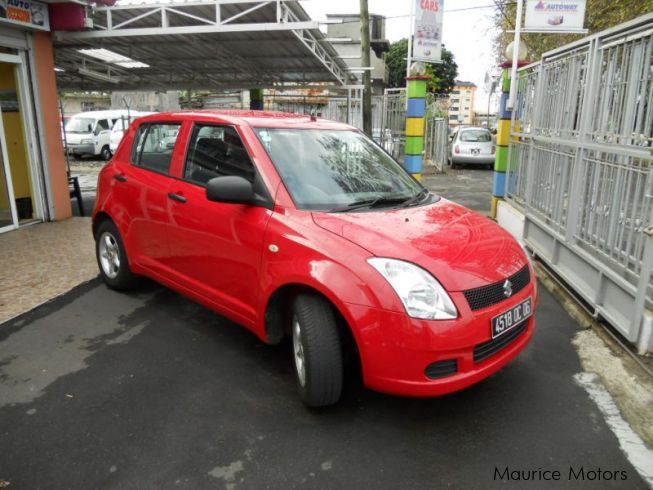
427, 41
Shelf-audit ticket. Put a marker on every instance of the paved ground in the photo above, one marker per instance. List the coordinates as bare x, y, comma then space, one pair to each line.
471, 187
42, 261
149, 390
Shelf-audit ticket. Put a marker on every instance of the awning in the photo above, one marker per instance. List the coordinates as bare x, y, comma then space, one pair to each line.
215, 44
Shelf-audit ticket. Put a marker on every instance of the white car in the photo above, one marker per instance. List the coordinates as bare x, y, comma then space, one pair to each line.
120, 126
88, 133
471, 146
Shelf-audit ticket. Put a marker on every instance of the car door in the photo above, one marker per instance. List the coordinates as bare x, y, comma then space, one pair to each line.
103, 133
141, 189
215, 248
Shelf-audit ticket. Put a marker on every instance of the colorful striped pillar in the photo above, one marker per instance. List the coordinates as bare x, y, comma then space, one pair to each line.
415, 125
503, 142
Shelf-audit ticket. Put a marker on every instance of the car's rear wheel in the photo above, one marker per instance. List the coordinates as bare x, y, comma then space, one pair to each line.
317, 351
112, 257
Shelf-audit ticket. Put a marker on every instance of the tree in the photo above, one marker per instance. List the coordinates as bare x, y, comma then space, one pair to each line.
443, 75
599, 15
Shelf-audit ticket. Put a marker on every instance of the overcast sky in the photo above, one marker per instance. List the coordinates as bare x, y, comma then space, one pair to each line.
467, 31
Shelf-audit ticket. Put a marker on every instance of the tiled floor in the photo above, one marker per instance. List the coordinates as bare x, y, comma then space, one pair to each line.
42, 261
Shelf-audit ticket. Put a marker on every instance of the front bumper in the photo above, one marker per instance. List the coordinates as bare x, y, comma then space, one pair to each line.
396, 349
86, 149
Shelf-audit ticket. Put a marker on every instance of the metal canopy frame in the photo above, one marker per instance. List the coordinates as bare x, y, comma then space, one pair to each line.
212, 44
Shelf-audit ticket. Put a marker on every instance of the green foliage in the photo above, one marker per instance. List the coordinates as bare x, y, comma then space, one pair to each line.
599, 15
443, 75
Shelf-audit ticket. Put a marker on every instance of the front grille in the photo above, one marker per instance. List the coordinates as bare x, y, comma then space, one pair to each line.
490, 295
488, 349
442, 369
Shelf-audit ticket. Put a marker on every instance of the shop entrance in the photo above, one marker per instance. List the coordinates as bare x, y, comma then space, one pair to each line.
18, 200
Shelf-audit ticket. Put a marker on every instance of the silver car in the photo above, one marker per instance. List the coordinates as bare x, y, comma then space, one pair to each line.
471, 146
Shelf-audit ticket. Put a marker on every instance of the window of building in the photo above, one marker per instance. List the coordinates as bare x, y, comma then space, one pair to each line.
154, 146
216, 151
454, 109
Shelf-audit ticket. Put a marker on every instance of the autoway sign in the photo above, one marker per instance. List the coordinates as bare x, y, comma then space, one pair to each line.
555, 15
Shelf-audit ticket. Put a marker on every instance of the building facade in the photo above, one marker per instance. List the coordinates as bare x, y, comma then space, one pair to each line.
461, 103
33, 173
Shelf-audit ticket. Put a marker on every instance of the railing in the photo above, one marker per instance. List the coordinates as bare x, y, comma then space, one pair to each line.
580, 167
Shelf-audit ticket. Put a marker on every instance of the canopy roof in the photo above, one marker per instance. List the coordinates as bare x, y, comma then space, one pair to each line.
197, 44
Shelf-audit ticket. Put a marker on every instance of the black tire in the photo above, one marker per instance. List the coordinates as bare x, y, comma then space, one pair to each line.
105, 154
454, 165
321, 351
118, 275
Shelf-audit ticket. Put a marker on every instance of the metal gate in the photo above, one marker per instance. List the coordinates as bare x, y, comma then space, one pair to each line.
393, 122
580, 169
436, 142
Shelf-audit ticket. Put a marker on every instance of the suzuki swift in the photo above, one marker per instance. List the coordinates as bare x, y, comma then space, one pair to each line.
304, 228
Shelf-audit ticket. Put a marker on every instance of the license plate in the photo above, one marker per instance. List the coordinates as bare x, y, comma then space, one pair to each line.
511, 318
476, 151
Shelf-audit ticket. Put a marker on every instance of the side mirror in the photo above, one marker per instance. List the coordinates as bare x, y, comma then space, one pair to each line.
231, 189
97, 131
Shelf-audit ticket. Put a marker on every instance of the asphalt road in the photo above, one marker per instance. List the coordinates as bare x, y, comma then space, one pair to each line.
148, 390
469, 186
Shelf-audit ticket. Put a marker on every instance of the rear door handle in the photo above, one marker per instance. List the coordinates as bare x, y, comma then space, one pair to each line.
120, 178
176, 197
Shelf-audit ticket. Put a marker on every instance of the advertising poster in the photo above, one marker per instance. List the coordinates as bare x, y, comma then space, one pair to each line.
556, 15
427, 40
25, 13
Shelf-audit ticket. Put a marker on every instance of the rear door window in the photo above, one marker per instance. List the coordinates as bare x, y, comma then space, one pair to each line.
154, 146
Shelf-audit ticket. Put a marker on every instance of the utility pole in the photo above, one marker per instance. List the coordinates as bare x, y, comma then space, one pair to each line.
365, 62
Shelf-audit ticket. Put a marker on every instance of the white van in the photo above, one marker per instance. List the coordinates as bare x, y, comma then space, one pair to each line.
88, 133
120, 126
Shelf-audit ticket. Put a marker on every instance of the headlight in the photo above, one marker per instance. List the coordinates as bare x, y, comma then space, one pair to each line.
422, 296
86, 142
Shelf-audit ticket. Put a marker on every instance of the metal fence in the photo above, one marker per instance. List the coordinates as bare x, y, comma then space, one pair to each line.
580, 168
435, 142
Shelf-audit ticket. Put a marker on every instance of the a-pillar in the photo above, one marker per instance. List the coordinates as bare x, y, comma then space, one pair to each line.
415, 125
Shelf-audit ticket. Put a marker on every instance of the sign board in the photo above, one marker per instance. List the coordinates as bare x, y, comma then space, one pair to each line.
24, 13
427, 40
555, 16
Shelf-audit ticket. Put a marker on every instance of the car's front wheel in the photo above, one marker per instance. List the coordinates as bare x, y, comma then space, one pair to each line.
105, 154
112, 257
317, 351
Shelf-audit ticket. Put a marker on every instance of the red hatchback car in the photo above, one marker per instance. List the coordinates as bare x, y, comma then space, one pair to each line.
301, 227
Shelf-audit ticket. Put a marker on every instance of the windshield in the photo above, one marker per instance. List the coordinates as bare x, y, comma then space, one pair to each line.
476, 136
330, 170
80, 125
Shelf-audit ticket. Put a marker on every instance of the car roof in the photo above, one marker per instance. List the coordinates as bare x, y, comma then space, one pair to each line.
258, 119
101, 114
464, 128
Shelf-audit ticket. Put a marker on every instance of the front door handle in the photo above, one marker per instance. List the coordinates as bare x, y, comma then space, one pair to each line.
120, 178
176, 197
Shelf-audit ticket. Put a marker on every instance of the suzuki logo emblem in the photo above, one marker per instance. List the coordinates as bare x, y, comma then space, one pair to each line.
507, 288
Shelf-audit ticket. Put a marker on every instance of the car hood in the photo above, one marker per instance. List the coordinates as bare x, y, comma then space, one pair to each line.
461, 248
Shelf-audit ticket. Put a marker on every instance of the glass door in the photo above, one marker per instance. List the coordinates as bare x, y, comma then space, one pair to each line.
8, 213
19, 203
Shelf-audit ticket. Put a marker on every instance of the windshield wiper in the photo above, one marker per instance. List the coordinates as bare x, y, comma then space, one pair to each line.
416, 198
369, 203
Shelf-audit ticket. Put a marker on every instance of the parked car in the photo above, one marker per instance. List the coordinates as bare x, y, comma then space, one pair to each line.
307, 229
119, 127
471, 146
88, 133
